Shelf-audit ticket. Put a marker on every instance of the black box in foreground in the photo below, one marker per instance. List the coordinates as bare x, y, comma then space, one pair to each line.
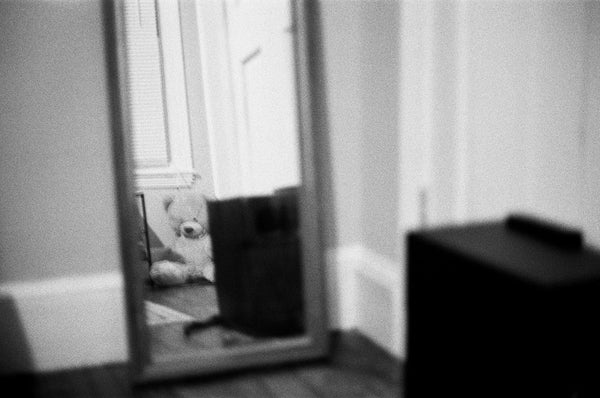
500, 310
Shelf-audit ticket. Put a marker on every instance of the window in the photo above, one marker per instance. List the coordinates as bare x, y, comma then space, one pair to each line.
157, 95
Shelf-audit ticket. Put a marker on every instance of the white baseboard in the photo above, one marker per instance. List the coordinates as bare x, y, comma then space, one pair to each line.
80, 321
368, 295
62, 323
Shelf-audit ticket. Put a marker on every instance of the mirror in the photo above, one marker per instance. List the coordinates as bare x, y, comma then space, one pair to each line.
217, 184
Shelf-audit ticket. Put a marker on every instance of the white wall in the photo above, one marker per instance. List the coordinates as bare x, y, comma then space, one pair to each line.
58, 214
494, 108
525, 125
378, 117
591, 215
360, 47
341, 51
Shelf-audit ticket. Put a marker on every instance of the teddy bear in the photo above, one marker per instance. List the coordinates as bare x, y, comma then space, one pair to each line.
189, 257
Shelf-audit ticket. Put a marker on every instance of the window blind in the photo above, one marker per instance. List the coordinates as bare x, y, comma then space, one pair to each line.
145, 85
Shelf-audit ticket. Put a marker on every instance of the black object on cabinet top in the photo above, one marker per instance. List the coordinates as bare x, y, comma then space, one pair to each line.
522, 251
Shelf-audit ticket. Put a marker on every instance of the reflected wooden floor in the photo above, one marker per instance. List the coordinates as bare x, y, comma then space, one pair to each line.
200, 302
357, 368
169, 340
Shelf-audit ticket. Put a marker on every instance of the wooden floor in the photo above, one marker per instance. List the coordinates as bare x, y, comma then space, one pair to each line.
356, 368
200, 302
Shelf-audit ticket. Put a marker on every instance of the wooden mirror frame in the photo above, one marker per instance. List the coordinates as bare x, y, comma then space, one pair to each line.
311, 345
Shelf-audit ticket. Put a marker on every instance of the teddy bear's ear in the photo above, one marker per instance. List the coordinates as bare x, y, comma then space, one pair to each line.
167, 200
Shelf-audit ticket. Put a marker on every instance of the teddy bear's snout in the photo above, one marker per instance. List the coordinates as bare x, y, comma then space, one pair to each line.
192, 230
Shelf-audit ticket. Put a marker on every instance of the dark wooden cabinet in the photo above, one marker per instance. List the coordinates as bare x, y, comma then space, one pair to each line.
256, 248
495, 311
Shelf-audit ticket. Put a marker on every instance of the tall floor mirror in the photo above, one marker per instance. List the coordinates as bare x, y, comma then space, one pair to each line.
216, 179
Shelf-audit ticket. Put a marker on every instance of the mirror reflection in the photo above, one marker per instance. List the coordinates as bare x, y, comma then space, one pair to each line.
213, 118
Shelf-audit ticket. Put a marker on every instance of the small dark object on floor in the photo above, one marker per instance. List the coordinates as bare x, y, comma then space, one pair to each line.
197, 326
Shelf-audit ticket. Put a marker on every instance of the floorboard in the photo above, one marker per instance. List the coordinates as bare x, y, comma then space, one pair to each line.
288, 383
356, 368
198, 300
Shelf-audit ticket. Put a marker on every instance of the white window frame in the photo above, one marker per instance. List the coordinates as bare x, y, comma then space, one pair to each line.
179, 172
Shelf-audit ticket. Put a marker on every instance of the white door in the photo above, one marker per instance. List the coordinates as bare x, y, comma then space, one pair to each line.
264, 89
